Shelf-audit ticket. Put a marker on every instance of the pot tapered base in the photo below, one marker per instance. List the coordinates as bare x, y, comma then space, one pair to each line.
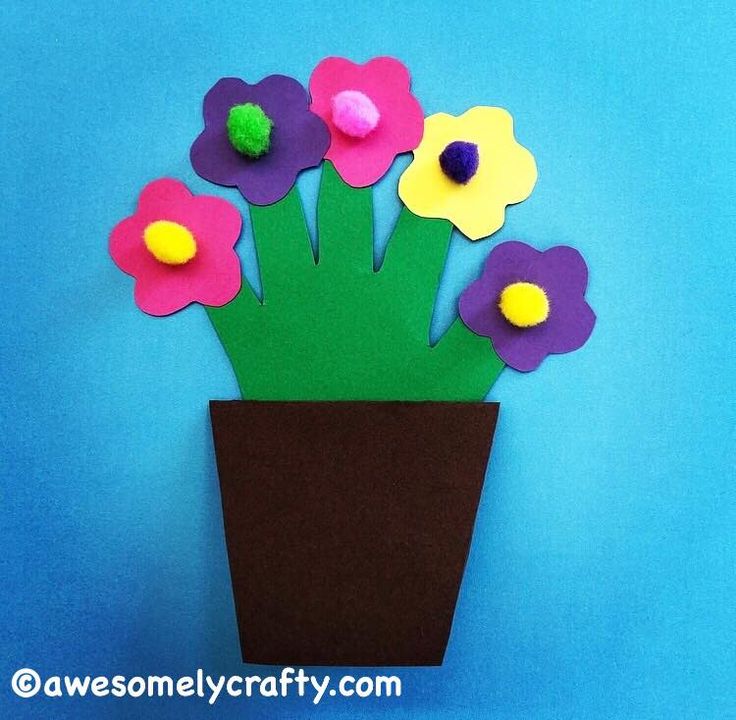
348, 525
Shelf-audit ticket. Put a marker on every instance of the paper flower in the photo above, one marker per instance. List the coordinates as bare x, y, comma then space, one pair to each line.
530, 303
371, 114
259, 137
467, 169
179, 248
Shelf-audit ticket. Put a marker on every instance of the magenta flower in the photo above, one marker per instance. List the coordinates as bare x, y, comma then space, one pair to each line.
179, 248
275, 139
530, 303
370, 112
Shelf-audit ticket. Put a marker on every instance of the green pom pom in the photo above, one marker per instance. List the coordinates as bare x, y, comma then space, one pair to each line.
249, 129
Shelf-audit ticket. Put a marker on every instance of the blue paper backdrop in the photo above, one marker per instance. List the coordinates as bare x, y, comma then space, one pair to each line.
601, 580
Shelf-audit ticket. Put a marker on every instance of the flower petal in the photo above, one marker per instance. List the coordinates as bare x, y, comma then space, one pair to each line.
363, 161
506, 173
212, 276
561, 272
164, 190
299, 139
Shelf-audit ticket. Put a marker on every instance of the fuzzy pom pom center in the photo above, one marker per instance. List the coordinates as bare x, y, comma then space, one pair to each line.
459, 161
354, 113
249, 130
170, 242
524, 304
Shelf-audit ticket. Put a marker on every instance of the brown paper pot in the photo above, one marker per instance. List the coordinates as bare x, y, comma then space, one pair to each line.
348, 525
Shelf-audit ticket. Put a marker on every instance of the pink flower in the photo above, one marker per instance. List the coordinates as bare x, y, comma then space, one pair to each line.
179, 248
370, 112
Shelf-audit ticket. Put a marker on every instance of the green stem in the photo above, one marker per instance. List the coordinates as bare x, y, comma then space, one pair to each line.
283, 246
344, 225
465, 360
413, 264
233, 324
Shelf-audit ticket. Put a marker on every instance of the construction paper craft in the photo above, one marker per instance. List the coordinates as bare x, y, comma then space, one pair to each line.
210, 276
350, 479
299, 139
337, 330
348, 525
384, 81
561, 273
506, 172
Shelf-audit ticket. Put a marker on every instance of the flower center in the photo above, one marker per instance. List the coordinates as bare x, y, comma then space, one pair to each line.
459, 161
524, 304
169, 242
354, 113
249, 130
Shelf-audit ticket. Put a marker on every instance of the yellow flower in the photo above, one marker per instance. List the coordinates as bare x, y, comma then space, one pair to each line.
495, 171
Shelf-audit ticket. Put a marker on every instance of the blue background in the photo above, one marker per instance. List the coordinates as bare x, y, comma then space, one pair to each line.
601, 580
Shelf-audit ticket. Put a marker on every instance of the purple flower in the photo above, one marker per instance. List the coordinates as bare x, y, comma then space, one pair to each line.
530, 303
298, 138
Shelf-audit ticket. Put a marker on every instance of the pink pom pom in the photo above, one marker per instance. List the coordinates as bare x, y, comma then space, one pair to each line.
354, 113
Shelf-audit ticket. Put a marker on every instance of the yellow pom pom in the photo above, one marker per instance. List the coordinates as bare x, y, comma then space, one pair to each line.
524, 304
169, 242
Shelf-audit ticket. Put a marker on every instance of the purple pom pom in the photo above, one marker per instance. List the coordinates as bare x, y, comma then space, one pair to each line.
459, 161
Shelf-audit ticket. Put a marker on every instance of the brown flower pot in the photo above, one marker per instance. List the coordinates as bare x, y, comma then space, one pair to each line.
348, 525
